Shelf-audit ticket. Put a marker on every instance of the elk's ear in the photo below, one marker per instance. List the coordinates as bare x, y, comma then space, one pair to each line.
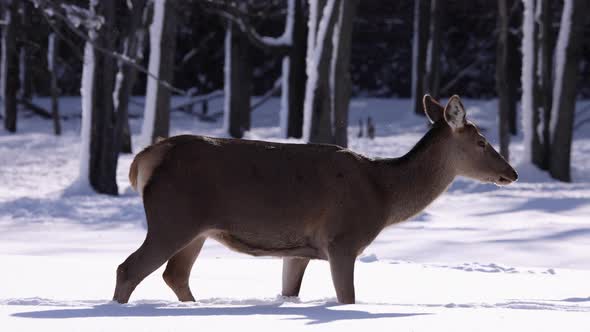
434, 110
455, 113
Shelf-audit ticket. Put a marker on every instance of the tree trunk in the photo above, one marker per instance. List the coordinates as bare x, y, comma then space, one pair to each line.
542, 145
432, 79
420, 43
565, 96
10, 60
156, 121
297, 76
513, 76
25, 63
501, 78
239, 76
318, 97
103, 152
52, 52
132, 48
340, 74
529, 78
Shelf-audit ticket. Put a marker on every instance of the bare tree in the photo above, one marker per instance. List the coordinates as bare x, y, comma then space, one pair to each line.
238, 80
132, 44
340, 81
103, 152
501, 78
317, 126
156, 122
52, 51
10, 82
568, 52
419, 45
294, 76
432, 76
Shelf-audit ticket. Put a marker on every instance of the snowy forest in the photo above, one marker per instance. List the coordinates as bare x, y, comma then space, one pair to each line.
86, 85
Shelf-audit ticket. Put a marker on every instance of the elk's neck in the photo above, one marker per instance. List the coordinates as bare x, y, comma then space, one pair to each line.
412, 182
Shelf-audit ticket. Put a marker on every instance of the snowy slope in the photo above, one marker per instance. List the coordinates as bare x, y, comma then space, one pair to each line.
481, 258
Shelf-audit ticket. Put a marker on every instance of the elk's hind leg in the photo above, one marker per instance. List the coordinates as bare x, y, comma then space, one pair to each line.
293, 270
151, 255
179, 267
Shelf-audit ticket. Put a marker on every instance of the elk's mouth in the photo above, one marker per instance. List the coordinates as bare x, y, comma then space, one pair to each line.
506, 179
502, 181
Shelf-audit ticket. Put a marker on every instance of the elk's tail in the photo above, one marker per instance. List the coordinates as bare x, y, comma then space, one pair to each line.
145, 162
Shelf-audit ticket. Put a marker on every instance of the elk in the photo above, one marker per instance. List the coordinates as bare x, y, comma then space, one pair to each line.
295, 201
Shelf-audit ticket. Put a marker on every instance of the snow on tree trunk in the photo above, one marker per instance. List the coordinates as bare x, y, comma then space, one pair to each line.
560, 61
227, 78
284, 113
316, 114
541, 140
528, 76
149, 113
86, 88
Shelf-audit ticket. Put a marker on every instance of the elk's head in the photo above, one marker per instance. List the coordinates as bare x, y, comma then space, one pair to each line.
468, 149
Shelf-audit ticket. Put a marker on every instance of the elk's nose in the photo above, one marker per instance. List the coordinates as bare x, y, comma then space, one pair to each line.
513, 174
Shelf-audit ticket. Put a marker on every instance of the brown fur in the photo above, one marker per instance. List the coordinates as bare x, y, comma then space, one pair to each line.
294, 201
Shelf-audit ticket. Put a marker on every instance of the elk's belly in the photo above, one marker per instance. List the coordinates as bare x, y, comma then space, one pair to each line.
266, 244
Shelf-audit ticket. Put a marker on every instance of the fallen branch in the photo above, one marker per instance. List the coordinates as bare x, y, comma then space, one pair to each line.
35, 108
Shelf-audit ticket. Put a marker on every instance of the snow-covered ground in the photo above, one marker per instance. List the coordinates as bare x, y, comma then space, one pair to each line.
481, 258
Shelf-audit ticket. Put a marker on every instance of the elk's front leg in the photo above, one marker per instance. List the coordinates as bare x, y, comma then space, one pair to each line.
293, 269
342, 268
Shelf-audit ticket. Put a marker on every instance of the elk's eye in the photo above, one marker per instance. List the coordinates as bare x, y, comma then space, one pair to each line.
481, 144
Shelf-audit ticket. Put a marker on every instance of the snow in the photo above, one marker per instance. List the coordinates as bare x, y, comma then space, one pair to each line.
560, 58
527, 78
287, 37
227, 80
480, 258
313, 60
147, 130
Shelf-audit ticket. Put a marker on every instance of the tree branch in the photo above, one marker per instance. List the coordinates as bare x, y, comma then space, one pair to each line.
231, 12
55, 10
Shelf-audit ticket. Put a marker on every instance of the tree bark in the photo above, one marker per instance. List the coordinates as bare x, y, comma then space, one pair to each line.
166, 73
11, 64
563, 130
103, 152
421, 31
53, 50
341, 82
132, 48
297, 75
542, 143
432, 79
513, 76
320, 130
240, 83
501, 79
